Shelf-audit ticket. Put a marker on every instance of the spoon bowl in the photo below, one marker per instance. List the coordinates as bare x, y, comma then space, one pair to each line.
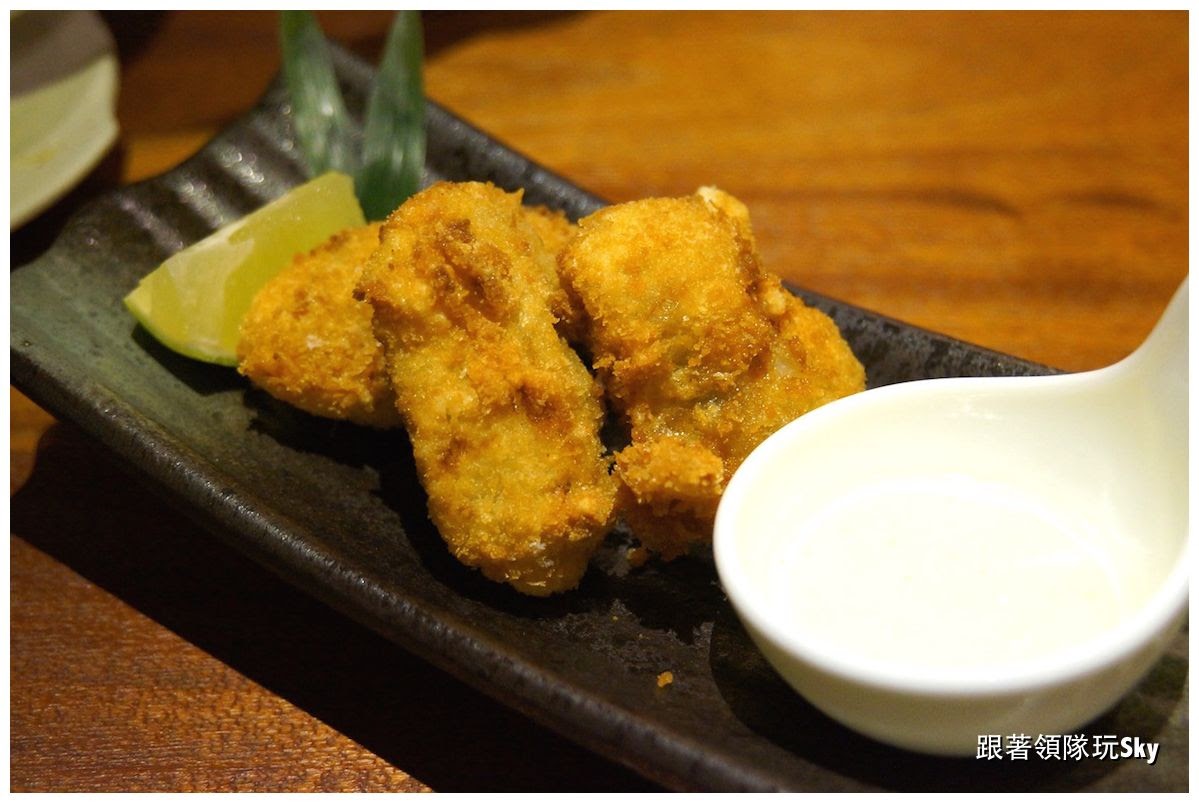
937, 561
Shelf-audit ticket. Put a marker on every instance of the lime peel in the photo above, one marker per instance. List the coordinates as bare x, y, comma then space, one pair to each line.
195, 301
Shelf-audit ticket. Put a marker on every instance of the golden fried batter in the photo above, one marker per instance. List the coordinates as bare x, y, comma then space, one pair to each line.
704, 353
504, 418
555, 231
307, 341
551, 225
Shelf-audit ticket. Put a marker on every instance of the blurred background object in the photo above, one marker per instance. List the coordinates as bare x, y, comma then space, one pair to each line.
62, 95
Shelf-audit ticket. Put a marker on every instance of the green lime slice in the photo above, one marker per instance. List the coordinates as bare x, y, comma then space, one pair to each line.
194, 302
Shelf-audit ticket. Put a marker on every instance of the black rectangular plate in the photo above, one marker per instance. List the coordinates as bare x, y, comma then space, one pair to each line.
338, 510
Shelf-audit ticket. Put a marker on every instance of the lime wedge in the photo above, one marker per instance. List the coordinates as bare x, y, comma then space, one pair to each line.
194, 302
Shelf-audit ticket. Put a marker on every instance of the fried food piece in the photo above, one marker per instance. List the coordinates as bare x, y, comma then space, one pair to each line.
307, 341
556, 230
703, 353
503, 416
552, 225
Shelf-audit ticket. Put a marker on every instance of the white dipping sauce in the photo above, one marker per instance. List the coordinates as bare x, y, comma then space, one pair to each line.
947, 571
931, 561
936, 545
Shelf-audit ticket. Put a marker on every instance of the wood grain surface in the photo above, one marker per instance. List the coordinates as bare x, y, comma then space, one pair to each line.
1017, 180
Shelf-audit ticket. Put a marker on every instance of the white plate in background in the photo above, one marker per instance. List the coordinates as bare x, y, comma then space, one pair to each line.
62, 93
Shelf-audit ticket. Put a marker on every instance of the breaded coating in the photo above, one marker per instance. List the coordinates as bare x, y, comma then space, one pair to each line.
555, 231
503, 416
703, 353
552, 225
307, 341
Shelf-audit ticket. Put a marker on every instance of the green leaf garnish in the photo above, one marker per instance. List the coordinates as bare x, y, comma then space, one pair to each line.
393, 147
389, 166
319, 115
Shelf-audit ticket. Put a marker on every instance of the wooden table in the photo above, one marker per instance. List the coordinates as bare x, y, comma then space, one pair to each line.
1014, 180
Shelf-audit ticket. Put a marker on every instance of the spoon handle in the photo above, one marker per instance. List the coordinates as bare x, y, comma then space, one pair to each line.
1166, 347
1159, 368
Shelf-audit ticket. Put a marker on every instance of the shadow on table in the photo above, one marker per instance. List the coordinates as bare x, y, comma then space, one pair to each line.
435, 728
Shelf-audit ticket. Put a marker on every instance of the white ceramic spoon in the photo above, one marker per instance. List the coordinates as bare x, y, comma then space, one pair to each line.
938, 561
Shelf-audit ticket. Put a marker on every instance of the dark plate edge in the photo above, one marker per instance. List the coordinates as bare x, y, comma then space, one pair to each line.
205, 493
